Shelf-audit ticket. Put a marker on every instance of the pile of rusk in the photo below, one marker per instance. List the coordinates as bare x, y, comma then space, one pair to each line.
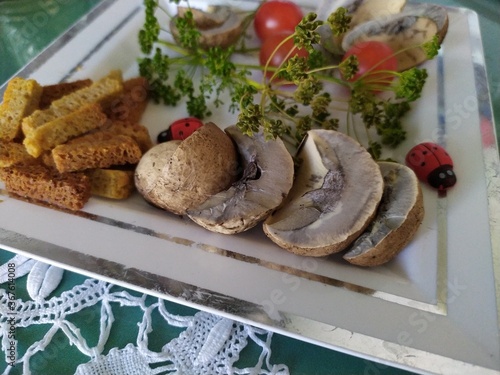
60, 144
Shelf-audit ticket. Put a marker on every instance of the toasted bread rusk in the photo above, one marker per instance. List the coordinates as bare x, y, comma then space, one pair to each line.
103, 92
21, 98
101, 149
58, 90
137, 132
40, 183
132, 103
63, 129
13, 153
112, 183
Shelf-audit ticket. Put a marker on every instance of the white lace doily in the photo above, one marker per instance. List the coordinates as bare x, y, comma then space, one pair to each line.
208, 344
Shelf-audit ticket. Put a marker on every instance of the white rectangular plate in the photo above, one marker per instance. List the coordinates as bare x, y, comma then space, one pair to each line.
435, 308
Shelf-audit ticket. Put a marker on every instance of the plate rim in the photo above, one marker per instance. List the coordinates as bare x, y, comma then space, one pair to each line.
11, 240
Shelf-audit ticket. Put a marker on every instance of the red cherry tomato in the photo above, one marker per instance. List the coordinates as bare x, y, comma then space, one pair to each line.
180, 129
276, 16
432, 164
373, 57
269, 51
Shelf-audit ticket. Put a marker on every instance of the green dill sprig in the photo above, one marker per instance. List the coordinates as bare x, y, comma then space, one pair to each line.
410, 84
272, 106
432, 47
306, 35
189, 36
150, 32
339, 21
171, 68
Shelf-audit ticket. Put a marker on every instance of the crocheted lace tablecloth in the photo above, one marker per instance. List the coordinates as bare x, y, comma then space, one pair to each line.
39, 324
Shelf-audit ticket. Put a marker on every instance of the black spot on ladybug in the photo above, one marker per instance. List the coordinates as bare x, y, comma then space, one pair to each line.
422, 164
164, 136
424, 152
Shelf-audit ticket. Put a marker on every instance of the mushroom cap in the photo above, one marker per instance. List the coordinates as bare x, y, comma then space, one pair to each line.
200, 166
151, 166
266, 179
335, 195
398, 218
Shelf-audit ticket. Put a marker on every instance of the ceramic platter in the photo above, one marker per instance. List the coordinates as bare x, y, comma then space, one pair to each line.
433, 309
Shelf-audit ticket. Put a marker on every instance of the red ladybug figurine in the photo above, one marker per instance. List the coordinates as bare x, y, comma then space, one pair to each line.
180, 129
432, 164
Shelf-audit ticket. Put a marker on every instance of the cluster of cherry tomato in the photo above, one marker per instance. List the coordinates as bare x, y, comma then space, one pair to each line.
274, 21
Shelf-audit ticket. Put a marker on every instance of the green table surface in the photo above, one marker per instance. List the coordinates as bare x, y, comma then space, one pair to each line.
45, 20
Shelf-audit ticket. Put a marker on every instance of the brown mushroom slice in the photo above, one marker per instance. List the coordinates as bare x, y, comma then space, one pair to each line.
336, 192
208, 18
223, 35
435, 12
398, 218
361, 11
200, 166
267, 178
405, 32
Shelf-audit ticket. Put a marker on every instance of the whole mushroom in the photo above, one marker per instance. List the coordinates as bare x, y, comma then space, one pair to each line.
177, 176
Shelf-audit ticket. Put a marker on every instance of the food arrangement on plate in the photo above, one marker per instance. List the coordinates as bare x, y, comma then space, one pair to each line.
290, 163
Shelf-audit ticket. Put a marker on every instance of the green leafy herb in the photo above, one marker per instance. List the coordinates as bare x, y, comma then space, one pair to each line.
339, 21
268, 106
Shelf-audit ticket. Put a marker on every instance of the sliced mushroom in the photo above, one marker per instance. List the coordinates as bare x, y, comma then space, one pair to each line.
266, 180
405, 31
177, 177
361, 11
435, 12
399, 215
335, 195
219, 26
212, 16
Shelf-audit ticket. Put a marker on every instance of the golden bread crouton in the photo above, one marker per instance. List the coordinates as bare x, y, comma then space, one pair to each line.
64, 128
137, 132
132, 103
40, 183
47, 159
104, 92
101, 149
58, 90
13, 153
112, 183
20, 99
